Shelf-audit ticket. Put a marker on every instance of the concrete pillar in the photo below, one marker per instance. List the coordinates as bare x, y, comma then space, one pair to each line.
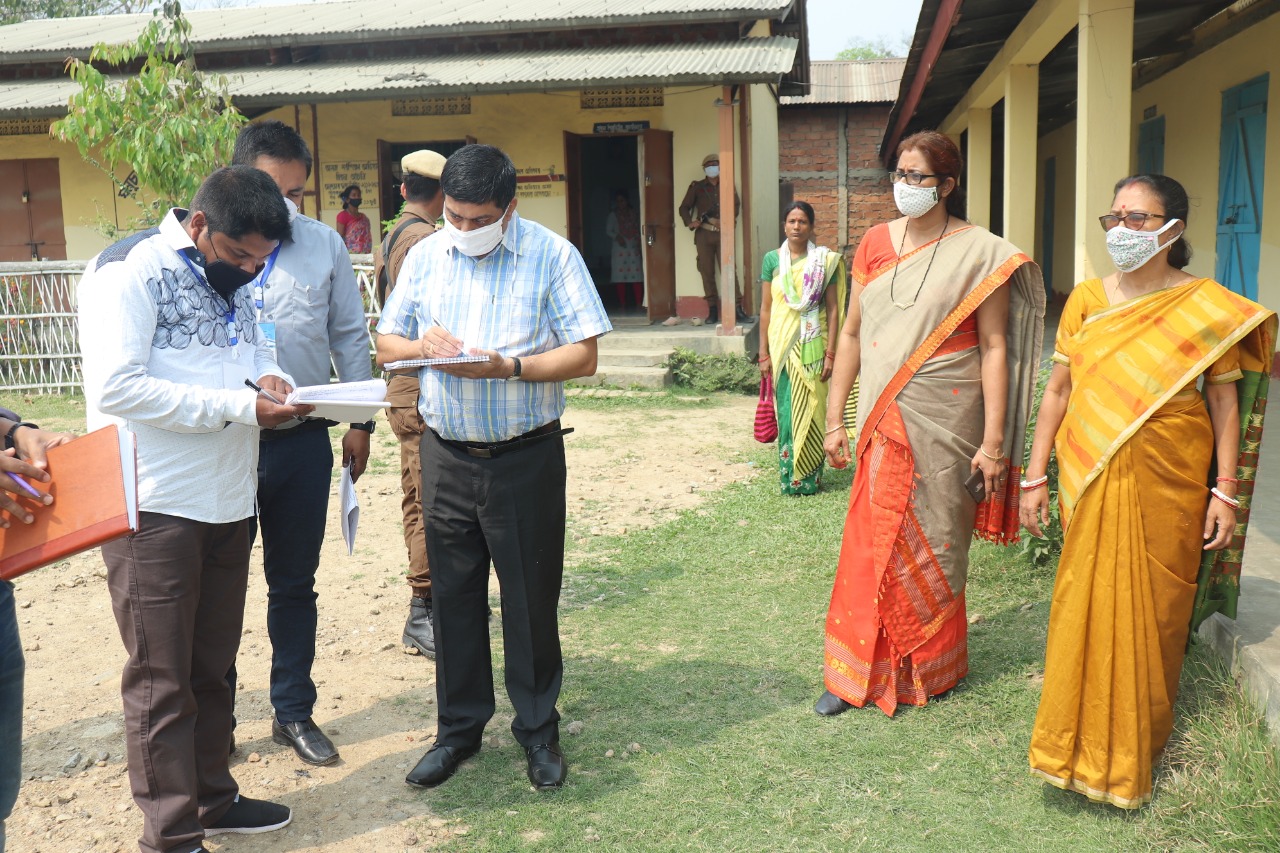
728, 218
1104, 92
979, 168
1021, 117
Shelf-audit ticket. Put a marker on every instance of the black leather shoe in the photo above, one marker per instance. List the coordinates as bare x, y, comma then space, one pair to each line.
740, 315
439, 764
419, 630
311, 744
829, 704
713, 315
547, 767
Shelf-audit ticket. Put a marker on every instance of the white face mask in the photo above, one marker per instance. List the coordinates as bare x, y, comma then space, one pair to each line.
1131, 249
712, 171
292, 208
479, 241
914, 201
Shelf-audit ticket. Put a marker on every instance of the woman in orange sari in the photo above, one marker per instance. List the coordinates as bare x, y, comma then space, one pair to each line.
943, 334
1152, 486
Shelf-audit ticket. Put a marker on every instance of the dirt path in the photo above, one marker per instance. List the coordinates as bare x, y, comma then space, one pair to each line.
628, 468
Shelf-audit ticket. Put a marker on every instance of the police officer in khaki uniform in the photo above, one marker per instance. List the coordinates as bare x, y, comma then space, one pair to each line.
424, 204
700, 211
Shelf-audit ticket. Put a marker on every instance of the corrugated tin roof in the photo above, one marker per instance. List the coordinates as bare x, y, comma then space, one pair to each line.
868, 81
753, 60
367, 20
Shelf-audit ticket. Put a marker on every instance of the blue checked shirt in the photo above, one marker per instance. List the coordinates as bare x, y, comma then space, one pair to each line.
529, 295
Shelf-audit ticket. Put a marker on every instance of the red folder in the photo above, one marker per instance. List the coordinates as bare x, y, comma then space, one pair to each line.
94, 483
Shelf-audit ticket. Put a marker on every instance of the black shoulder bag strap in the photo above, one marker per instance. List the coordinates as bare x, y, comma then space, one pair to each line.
383, 278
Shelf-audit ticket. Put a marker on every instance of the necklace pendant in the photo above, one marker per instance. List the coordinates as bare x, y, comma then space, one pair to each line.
903, 306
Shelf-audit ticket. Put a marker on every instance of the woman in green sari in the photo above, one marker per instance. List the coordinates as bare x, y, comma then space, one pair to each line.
802, 307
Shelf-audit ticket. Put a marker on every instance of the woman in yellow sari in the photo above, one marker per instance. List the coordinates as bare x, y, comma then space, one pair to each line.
943, 335
1152, 487
801, 308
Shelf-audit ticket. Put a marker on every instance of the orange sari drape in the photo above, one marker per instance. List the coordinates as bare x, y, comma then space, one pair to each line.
1134, 451
896, 629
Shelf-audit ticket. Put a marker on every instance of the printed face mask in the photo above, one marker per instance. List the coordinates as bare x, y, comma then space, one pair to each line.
712, 171
479, 241
1131, 249
914, 201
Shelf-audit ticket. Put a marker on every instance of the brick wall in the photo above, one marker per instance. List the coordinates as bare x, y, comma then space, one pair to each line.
809, 145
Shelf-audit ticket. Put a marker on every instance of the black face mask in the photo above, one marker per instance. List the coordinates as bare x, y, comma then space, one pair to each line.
354, 202
223, 277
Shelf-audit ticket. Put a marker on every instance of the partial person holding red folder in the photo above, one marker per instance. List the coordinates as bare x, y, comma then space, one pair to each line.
22, 461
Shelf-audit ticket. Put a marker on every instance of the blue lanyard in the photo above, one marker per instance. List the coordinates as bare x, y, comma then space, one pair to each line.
262, 278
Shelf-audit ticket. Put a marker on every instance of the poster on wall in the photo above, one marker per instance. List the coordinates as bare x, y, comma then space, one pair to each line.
336, 177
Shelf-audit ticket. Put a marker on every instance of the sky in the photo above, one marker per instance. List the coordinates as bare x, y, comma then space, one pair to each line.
832, 23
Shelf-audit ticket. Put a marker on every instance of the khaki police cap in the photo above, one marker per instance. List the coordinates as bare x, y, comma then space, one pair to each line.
709, 159
426, 163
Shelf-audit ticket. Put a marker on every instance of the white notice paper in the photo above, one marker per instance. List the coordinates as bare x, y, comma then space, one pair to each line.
350, 508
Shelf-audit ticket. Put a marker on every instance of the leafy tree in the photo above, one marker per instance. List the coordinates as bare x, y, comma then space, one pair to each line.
877, 48
169, 122
13, 11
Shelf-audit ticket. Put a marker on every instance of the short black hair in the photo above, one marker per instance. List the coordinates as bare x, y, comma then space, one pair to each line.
240, 200
479, 174
273, 139
802, 206
420, 187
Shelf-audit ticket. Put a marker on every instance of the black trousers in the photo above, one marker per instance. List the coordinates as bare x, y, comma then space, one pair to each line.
509, 510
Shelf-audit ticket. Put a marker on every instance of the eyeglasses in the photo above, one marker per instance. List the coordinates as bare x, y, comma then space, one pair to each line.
1132, 221
912, 178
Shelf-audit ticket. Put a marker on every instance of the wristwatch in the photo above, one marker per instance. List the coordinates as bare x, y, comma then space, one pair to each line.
515, 373
8, 436
367, 426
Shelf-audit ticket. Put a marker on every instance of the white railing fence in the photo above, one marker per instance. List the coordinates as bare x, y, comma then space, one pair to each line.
39, 342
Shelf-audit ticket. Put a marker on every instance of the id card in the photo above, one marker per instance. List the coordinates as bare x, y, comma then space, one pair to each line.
268, 331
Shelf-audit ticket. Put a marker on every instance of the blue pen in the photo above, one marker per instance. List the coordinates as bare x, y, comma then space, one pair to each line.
26, 486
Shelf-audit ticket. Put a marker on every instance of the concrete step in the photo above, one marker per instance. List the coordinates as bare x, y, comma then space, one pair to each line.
703, 340
628, 377
647, 357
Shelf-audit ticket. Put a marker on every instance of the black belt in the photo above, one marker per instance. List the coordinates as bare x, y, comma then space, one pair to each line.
306, 426
482, 450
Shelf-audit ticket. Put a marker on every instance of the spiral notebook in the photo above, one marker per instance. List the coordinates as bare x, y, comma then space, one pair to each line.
432, 362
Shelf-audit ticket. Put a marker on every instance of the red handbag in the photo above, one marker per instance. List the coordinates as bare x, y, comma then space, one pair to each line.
766, 417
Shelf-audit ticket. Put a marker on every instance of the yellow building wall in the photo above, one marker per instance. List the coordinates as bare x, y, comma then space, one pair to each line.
530, 128
1061, 146
87, 193
1190, 98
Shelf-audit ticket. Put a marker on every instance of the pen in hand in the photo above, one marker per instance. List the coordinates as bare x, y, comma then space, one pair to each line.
262, 391
26, 487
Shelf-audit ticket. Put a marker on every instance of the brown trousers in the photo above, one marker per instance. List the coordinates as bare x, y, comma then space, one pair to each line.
407, 424
707, 242
177, 588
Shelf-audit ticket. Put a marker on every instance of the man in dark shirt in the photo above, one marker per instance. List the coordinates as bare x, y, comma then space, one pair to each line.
700, 210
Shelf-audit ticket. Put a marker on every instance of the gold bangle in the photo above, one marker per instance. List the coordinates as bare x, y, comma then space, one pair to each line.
984, 452
836, 427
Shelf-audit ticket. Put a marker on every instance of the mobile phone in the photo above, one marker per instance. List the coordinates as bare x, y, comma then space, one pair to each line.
976, 486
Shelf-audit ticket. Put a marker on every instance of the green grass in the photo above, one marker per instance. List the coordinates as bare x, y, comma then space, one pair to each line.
700, 642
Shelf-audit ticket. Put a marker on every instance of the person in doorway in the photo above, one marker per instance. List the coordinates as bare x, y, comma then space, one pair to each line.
1139, 445
423, 206
23, 454
493, 468
943, 333
353, 226
803, 293
626, 269
310, 312
168, 339
700, 210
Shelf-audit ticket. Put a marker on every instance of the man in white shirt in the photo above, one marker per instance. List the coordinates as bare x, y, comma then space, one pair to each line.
309, 308
169, 341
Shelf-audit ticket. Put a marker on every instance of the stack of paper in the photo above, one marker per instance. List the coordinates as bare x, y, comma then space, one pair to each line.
344, 402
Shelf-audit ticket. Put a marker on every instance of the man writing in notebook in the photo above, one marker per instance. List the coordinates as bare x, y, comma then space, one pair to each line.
493, 471
168, 338
309, 308
423, 205
22, 454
